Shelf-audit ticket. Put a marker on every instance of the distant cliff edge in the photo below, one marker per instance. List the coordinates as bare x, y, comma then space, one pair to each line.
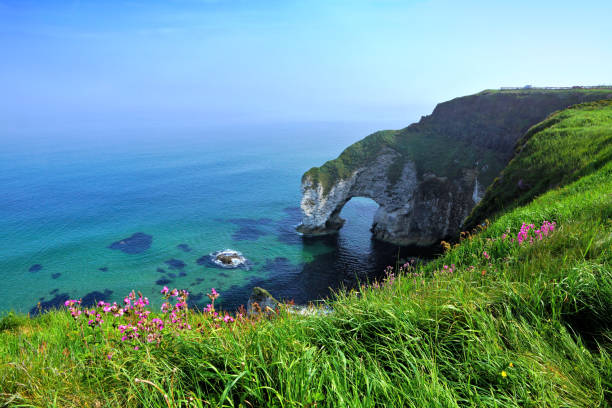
426, 178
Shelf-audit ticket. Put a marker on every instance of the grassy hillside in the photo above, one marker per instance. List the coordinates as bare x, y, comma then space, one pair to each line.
566, 146
467, 132
512, 316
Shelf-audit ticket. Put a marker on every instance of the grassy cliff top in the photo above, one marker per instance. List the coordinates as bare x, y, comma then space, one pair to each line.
481, 128
598, 90
431, 150
565, 147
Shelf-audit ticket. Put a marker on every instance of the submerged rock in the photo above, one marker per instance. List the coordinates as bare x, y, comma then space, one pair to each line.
163, 281
35, 268
92, 298
135, 244
251, 229
184, 247
175, 263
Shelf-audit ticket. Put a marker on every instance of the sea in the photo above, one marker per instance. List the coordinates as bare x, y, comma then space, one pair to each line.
94, 214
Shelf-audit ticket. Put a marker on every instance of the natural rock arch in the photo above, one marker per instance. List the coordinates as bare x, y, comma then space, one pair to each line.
412, 210
426, 178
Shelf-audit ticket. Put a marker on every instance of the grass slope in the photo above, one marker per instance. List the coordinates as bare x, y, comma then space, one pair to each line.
522, 325
566, 146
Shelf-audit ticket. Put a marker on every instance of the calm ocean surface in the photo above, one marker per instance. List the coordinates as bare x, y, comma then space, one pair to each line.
66, 198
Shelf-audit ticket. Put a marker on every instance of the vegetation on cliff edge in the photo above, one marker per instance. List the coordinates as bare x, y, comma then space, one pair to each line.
470, 132
566, 146
515, 315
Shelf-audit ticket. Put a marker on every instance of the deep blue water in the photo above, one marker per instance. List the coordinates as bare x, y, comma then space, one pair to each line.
65, 198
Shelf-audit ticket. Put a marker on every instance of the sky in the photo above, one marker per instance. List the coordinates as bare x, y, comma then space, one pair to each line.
220, 61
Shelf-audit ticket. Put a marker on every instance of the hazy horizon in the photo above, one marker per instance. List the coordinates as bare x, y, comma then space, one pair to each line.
114, 64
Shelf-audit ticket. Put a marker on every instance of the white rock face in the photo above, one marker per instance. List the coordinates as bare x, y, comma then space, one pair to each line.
478, 192
412, 210
318, 207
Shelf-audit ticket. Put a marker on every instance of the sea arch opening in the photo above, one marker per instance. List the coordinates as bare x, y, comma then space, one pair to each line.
357, 216
359, 255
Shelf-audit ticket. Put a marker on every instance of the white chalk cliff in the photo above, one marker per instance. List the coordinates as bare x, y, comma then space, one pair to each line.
412, 210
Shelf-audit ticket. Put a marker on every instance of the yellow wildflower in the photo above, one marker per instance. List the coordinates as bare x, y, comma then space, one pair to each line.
504, 374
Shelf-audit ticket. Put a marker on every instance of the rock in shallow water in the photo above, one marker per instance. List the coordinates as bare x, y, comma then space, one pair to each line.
175, 263
228, 258
184, 247
163, 281
135, 244
35, 268
261, 301
92, 298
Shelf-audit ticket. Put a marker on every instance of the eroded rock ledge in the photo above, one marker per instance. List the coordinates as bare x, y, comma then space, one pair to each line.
427, 177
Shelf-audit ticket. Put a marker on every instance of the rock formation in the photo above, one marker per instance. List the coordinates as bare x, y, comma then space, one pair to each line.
427, 177
261, 301
228, 258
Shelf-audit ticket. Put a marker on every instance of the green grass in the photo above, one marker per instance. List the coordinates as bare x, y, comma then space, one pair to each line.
566, 146
541, 314
432, 151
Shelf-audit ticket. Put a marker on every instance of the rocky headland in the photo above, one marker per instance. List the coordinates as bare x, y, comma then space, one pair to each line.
427, 177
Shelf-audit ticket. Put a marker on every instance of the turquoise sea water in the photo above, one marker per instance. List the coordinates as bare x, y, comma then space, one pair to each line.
65, 198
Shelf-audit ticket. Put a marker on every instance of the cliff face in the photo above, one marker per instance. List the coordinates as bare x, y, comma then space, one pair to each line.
427, 177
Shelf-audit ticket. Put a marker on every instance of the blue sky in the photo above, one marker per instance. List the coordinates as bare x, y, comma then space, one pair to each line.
179, 61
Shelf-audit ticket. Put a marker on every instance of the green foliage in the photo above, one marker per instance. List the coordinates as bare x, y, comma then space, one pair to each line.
565, 147
351, 158
11, 321
527, 325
